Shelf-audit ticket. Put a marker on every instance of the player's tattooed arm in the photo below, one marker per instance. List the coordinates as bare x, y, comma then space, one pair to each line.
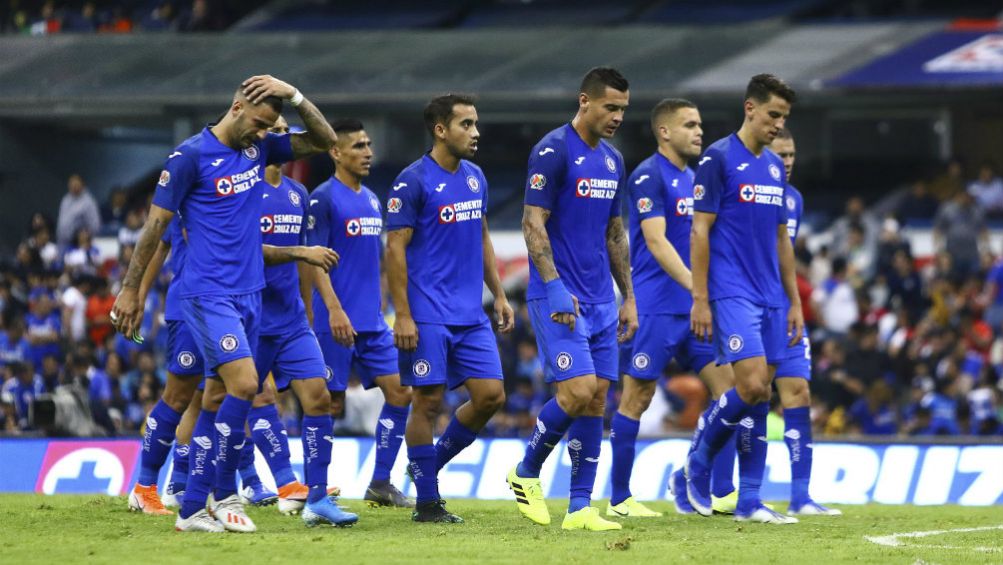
127, 313
318, 137
153, 270
405, 330
619, 265
503, 310
534, 230
317, 255
701, 321
788, 276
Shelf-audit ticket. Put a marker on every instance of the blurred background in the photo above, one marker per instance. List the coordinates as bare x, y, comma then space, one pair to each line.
899, 130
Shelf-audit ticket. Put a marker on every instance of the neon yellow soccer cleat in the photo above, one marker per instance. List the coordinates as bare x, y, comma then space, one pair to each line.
630, 508
588, 518
725, 504
529, 497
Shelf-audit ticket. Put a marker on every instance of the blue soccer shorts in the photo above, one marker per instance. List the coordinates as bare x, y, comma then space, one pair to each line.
798, 361
449, 355
225, 327
659, 339
183, 356
291, 355
372, 356
743, 330
591, 349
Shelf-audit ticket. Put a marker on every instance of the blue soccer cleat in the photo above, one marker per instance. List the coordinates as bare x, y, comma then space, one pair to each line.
698, 488
257, 495
326, 512
812, 508
677, 487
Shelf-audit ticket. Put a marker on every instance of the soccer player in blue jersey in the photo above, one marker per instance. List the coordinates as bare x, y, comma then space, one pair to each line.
347, 308
661, 215
575, 236
439, 256
213, 181
793, 372
742, 265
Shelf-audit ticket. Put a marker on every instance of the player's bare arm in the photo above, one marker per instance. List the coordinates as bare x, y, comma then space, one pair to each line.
153, 270
127, 313
405, 330
316, 255
503, 310
341, 327
318, 137
665, 253
795, 316
534, 230
619, 265
701, 321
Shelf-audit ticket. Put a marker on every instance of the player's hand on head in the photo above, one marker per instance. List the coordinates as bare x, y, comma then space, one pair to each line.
505, 314
795, 324
628, 321
405, 333
341, 327
259, 87
701, 321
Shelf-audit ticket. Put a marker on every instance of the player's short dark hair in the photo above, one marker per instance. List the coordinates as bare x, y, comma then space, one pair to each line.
346, 125
439, 110
273, 102
666, 107
595, 81
763, 85
785, 133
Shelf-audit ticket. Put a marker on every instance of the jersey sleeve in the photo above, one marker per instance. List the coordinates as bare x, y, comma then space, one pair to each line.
405, 202
318, 224
178, 178
305, 219
709, 185
646, 194
616, 208
546, 171
278, 148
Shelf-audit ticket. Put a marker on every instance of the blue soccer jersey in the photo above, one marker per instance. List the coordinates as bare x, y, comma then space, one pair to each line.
445, 259
579, 185
283, 224
350, 223
660, 189
795, 209
217, 189
746, 193
174, 236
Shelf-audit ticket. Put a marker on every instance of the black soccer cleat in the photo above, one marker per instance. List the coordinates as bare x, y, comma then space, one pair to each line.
435, 512
384, 493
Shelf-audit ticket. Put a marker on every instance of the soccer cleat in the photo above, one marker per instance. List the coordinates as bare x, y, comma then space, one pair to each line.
258, 495
588, 518
677, 487
172, 499
764, 515
812, 508
230, 513
292, 498
630, 508
145, 500
325, 511
384, 493
725, 504
200, 521
698, 491
529, 497
434, 512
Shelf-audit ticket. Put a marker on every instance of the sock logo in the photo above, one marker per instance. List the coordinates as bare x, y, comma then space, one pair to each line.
151, 424
701, 423
564, 361
575, 445
746, 423
421, 368
261, 424
203, 442
641, 361
223, 428
723, 402
387, 423
186, 359
541, 427
793, 434
182, 450
735, 343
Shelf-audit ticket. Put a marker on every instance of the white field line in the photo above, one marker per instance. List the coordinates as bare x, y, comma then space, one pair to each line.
894, 540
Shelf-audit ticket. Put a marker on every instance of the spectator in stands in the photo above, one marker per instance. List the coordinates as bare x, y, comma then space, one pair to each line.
83, 257
860, 255
84, 21
199, 18
950, 181
874, 414
984, 406
98, 312
48, 22
837, 301
890, 242
43, 325
905, 288
856, 213
77, 210
113, 212
161, 18
42, 245
20, 392
919, 206
987, 188
865, 362
128, 234
936, 412
74, 307
959, 231
14, 346
52, 372
992, 296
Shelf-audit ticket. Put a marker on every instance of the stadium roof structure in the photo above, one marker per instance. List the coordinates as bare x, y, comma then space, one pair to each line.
524, 70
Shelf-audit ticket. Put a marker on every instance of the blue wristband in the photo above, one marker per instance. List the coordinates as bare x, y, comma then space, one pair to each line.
559, 298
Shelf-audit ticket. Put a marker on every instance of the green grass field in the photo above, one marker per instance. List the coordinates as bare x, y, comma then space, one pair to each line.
98, 529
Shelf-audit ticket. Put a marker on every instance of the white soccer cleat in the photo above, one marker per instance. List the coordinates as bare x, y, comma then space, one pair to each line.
230, 513
813, 508
172, 499
764, 515
200, 521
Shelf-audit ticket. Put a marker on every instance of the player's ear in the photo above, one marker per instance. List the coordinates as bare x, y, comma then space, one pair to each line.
750, 106
440, 131
583, 100
236, 107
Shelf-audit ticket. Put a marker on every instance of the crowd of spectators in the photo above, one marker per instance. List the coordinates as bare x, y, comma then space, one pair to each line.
902, 344
48, 17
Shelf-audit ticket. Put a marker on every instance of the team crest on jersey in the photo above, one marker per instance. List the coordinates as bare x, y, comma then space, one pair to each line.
474, 184
294, 198
641, 361
536, 182
394, 205
447, 214
186, 359
791, 204
775, 172
746, 192
735, 343
375, 204
610, 164
311, 222
267, 224
582, 188
328, 373
564, 361
229, 343
644, 205
165, 178
251, 152
421, 368
698, 192
224, 187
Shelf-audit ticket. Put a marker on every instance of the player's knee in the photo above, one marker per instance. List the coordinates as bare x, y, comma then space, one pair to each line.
336, 403
489, 402
794, 393
318, 405
426, 404
264, 398
753, 391
398, 395
178, 397
212, 399
575, 399
636, 400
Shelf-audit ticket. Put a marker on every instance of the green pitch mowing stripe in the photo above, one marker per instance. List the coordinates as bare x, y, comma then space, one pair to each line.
97, 529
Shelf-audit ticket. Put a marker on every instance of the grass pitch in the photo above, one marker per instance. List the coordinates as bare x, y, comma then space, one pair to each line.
99, 529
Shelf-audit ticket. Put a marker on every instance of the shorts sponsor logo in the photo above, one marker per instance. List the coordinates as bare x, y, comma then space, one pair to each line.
644, 205
642, 361
394, 205
251, 152
294, 198
735, 343
746, 192
229, 343
537, 181
564, 361
186, 359
474, 184
610, 164
775, 172
421, 368
165, 178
